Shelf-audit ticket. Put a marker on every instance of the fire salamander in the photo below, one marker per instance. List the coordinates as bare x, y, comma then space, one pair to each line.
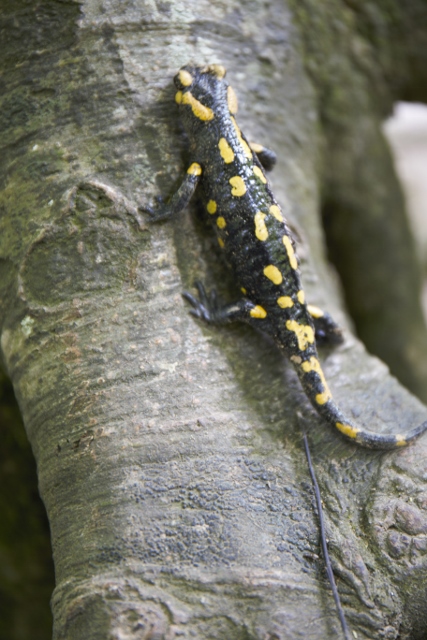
256, 241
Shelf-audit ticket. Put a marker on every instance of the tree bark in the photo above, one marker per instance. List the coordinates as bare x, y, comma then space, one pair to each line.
169, 453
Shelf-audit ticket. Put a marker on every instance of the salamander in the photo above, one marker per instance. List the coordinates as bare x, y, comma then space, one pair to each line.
256, 241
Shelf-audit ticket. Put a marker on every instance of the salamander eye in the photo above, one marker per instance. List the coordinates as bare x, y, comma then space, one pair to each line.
183, 79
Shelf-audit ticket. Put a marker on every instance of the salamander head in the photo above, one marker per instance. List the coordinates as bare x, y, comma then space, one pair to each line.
203, 94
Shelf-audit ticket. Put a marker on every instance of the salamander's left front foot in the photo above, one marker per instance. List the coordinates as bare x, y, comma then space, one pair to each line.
158, 212
208, 307
205, 306
180, 198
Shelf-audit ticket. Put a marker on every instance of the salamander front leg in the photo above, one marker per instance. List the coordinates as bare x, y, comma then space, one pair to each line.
207, 307
180, 198
267, 157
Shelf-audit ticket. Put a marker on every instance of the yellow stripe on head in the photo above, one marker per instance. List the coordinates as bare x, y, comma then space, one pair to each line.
199, 110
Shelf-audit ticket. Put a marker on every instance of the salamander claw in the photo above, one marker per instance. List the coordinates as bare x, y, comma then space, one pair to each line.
205, 307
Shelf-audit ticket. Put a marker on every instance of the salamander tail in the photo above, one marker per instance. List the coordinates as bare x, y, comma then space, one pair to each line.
317, 390
368, 438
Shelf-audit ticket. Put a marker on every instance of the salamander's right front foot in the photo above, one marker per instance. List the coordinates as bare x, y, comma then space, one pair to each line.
180, 198
160, 211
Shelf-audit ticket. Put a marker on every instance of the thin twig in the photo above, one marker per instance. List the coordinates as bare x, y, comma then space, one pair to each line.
324, 544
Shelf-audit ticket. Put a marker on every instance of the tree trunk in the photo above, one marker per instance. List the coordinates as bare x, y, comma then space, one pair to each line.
169, 453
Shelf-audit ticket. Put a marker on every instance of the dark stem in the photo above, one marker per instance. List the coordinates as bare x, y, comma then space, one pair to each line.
324, 544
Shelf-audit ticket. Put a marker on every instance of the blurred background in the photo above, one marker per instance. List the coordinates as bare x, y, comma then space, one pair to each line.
407, 134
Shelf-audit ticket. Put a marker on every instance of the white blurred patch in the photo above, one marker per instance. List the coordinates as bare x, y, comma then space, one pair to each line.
407, 134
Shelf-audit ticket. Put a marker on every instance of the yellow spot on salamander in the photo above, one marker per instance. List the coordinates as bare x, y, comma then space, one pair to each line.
221, 243
231, 100
322, 398
303, 332
244, 144
301, 296
221, 223
315, 312
239, 187
217, 69
256, 148
285, 302
273, 274
314, 365
260, 228
199, 110
185, 78
275, 211
194, 169
227, 153
400, 440
347, 429
259, 174
290, 251
211, 206
243, 290
258, 312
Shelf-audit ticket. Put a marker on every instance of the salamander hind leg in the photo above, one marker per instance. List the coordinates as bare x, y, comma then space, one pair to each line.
327, 331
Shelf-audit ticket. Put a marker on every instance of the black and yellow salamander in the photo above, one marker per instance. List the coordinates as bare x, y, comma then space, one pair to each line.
256, 241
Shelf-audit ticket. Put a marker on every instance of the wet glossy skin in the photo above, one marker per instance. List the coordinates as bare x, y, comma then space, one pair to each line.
256, 241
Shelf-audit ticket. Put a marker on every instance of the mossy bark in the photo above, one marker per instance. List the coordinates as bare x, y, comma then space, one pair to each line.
169, 454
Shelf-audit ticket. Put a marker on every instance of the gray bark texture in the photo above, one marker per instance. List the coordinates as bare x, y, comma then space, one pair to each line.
169, 453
